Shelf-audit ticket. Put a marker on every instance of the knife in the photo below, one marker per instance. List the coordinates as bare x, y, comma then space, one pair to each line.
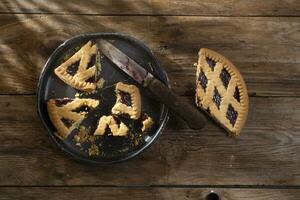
161, 92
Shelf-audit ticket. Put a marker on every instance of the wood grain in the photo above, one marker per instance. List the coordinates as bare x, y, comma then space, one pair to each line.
74, 193
260, 37
266, 153
155, 7
265, 50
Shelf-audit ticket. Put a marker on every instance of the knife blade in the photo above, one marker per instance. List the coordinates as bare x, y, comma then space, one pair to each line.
193, 117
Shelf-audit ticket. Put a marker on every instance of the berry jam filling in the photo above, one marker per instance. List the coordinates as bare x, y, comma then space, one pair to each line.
67, 122
203, 80
117, 119
225, 77
61, 102
83, 108
144, 117
211, 63
237, 94
217, 98
231, 115
92, 61
92, 79
72, 69
125, 98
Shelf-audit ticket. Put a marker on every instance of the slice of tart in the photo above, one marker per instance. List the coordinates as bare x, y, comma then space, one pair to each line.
128, 101
221, 91
117, 129
79, 70
66, 113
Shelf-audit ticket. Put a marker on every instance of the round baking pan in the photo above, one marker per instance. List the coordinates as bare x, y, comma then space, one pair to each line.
111, 149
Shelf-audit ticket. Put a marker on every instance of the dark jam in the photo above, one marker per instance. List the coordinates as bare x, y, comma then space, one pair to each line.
237, 94
225, 77
72, 69
203, 80
67, 122
217, 98
211, 63
144, 117
92, 61
61, 102
125, 98
231, 115
83, 108
91, 79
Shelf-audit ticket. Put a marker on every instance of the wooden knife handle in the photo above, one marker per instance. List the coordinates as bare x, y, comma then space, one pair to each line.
193, 117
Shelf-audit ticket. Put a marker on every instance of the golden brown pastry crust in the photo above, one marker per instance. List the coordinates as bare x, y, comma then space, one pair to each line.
57, 113
204, 97
134, 111
79, 80
147, 123
109, 121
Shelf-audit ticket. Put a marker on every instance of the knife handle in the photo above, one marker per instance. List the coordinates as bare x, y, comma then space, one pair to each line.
193, 117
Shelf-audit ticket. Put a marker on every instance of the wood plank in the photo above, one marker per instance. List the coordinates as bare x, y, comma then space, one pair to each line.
155, 7
266, 153
65, 193
266, 50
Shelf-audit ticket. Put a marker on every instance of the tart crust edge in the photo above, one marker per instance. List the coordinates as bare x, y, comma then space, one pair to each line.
233, 71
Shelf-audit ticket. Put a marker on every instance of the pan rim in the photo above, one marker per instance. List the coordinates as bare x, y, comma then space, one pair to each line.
165, 110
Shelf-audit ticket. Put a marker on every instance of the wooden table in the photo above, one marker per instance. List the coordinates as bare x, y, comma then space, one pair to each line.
261, 37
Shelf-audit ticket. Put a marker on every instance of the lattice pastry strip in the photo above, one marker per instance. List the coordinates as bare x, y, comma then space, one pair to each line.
66, 113
221, 91
128, 101
85, 62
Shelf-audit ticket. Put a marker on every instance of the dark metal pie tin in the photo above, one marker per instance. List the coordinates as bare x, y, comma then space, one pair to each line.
113, 149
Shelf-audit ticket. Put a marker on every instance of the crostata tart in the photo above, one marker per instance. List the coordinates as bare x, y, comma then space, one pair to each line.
79, 70
221, 91
66, 113
128, 101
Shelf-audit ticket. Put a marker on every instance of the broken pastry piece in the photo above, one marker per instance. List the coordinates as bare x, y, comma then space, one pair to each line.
79, 70
221, 91
147, 123
66, 113
110, 122
128, 101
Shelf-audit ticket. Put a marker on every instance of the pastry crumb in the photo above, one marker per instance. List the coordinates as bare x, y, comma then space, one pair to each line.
92, 138
81, 136
100, 83
77, 94
93, 150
